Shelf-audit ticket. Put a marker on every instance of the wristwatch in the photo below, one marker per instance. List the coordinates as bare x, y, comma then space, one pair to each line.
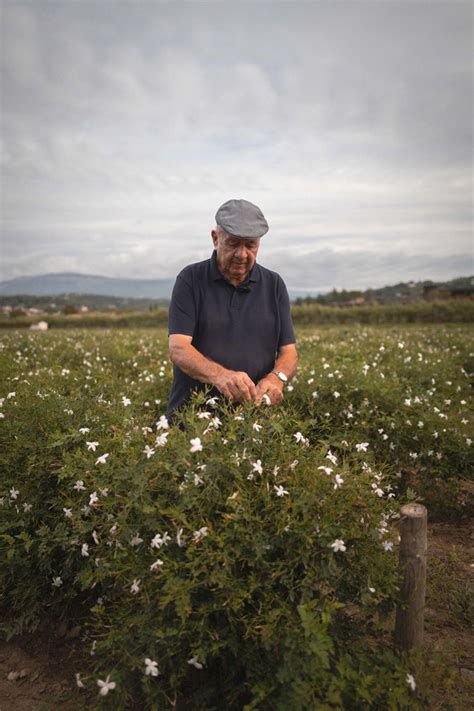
280, 375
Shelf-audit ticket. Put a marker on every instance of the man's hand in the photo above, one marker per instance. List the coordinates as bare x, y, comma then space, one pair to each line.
273, 387
235, 385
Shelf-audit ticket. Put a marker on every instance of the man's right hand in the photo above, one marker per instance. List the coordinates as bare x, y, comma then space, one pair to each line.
235, 385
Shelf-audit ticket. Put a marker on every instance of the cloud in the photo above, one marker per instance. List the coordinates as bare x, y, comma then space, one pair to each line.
350, 124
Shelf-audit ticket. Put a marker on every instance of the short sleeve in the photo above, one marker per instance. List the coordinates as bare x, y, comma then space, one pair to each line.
287, 334
182, 309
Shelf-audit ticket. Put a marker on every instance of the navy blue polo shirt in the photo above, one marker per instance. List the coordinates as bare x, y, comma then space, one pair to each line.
240, 327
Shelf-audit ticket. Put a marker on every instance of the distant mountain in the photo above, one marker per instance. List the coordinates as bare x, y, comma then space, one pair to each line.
73, 286
72, 283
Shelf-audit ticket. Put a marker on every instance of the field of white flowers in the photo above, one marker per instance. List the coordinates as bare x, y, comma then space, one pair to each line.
248, 560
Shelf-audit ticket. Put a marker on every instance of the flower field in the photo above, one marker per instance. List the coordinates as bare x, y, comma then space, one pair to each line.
247, 560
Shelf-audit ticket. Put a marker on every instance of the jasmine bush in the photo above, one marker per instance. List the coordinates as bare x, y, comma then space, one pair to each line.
247, 560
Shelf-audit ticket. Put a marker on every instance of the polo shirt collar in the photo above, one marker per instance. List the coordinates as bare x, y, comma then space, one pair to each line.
254, 274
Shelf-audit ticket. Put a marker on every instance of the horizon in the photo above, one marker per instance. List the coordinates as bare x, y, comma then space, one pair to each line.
291, 288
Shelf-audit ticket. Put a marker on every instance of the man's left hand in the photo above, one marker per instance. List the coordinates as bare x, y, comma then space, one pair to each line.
273, 387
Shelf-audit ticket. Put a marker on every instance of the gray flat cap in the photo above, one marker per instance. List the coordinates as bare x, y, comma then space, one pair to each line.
242, 218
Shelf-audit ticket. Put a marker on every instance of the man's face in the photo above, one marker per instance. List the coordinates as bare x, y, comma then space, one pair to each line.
235, 256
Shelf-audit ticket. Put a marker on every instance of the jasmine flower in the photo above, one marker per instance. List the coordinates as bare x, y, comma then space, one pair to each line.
106, 686
151, 667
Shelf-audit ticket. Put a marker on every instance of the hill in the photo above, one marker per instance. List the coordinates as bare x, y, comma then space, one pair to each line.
74, 283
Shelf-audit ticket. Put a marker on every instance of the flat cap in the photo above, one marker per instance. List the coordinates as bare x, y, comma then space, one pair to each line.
242, 218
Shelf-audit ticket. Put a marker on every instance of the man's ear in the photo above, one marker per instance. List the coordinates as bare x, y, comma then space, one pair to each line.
214, 237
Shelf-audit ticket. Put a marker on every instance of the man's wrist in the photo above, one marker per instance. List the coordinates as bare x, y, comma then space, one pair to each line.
279, 375
273, 377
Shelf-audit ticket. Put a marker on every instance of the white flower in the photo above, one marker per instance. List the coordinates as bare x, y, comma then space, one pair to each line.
11, 395
179, 539
411, 681
159, 541
105, 686
68, 513
93, 498
95, 537
280, 491
151, 667
126, 401
256, 426
156, 565
102, 459
135, 586
338, 481
148, 451
92, 446
84, 430
195, 663
257, 467
204, 415
299, 437
196, 445
27, 507
266, 399
84, 550
200, 533
57, 582
387, 545
326, 470
135, 541
336, 394
79, 485
332, 457
362, 446
78, 680
338, 545
162, 423
14, 493
161, 440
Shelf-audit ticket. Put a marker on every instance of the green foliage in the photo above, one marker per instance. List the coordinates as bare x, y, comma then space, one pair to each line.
259, 571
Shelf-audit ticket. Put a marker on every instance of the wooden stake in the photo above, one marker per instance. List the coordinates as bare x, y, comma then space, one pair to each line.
413, 547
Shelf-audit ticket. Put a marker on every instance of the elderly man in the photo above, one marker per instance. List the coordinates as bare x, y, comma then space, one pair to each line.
229, 318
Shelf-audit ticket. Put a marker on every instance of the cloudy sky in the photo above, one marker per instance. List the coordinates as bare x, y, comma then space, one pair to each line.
125, 125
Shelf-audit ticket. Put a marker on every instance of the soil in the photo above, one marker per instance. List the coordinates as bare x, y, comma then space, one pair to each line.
46, 665
47, 662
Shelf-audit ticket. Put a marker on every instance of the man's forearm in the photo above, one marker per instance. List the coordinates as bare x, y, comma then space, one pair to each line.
287, 363
195, 365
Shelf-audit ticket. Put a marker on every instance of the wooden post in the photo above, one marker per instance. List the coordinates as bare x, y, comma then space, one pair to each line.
413, 546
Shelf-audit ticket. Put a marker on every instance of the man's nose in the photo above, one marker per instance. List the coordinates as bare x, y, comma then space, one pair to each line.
242, 251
